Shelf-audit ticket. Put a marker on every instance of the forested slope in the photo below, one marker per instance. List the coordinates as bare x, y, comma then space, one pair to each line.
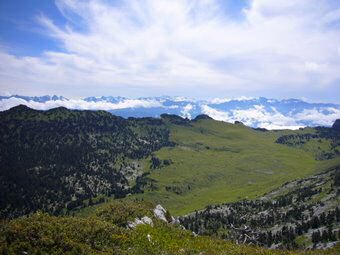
304, 213
54, 160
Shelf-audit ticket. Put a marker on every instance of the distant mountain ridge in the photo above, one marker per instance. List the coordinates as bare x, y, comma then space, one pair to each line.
255, 112
40, 99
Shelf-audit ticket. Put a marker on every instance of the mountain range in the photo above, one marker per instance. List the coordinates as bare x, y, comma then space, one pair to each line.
55, 160
258, 112
106, 170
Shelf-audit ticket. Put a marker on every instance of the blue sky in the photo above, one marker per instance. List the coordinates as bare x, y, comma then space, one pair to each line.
19, 30
198, 48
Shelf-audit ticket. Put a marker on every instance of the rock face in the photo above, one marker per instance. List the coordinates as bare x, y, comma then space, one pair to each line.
145, 220
160, 213
336, 124
163, 215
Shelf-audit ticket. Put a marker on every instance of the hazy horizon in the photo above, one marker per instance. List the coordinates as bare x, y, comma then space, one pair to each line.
179, 97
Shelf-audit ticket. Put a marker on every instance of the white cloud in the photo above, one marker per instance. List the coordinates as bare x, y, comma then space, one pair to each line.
317, 117
182, 45
312, 66
216, 114
181, 99
258, 116
219, 100
332, 16
226, 100
271, 126
244, 98
6, 104
186, 111
263, 118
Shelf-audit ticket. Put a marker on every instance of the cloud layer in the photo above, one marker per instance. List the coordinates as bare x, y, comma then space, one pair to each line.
184, 47
258, 116
80, 104
254, 112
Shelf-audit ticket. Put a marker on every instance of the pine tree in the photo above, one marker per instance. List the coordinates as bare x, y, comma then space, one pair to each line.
316, 237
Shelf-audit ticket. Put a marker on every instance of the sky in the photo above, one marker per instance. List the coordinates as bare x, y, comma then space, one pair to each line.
198, 48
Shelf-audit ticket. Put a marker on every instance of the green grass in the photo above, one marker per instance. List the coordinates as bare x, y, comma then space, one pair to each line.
217, 162
303, 241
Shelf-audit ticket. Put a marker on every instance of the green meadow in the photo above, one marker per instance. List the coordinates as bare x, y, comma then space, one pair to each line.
215, 162
218, 162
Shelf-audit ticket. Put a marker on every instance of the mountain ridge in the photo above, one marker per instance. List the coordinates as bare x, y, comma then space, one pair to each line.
258, 112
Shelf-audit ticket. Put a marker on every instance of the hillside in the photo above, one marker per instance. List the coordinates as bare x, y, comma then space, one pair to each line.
117, 228
216, 162
54, 160
304, 214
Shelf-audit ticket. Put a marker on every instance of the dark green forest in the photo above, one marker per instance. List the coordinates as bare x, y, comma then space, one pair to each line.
54, 160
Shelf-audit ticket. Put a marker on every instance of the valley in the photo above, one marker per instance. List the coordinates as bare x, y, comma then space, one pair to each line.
215, 162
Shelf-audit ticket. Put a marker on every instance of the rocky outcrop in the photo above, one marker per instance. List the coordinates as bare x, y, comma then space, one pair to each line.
202, 117
161, 213
164, 215
144, 220
336, 124
175, 119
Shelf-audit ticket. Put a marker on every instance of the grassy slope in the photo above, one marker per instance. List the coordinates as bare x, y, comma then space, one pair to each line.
104, 232
239, 163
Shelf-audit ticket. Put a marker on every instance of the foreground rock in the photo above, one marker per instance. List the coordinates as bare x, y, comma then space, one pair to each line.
164, 215
144, 220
